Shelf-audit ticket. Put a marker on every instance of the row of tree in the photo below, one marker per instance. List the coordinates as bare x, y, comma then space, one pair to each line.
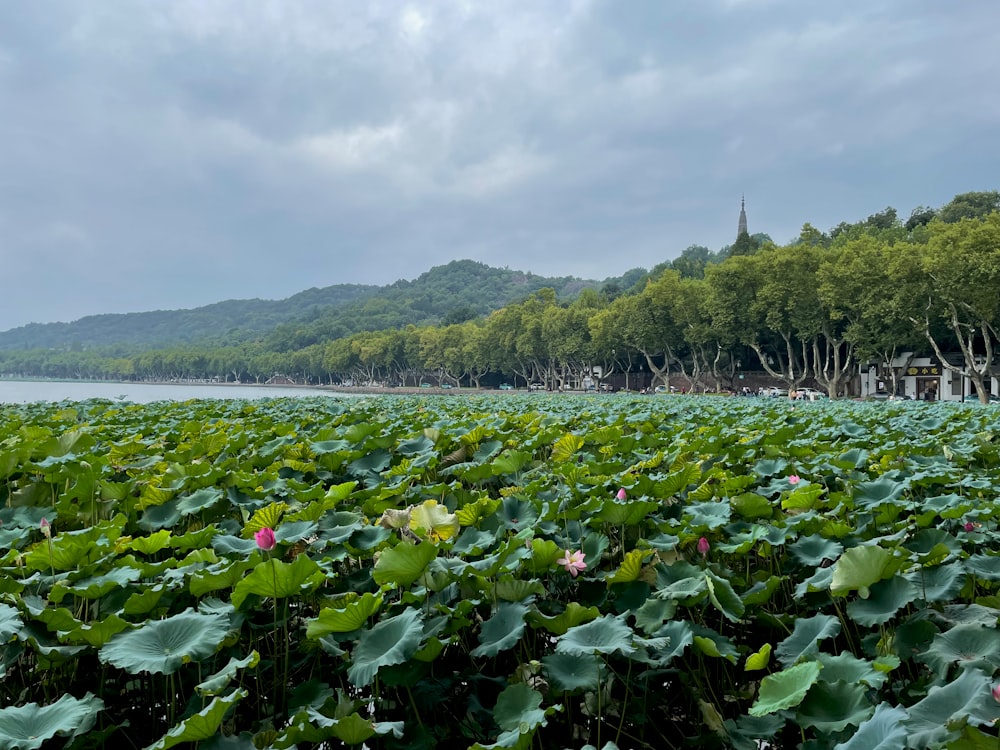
813, 309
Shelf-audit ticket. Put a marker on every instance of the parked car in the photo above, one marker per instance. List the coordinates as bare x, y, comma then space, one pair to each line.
810, 394
447, 385
505, 387
537, 387
776, 392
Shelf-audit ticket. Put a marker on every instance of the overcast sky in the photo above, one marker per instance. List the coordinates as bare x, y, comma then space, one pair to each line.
173, 154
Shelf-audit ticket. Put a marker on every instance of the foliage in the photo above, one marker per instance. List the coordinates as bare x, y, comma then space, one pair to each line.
749, 570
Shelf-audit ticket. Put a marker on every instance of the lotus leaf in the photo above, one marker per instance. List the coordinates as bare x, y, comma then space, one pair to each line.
833, 706
967, 698
502, 631
29, 726
805, 637
278, 580
605, 635
201, 725
785, 689
883, 731
162, 646
393, 640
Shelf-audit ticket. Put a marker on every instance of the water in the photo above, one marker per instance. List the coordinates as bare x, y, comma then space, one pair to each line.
21, 392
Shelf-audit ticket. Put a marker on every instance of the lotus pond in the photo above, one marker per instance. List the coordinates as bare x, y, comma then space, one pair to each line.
528, 571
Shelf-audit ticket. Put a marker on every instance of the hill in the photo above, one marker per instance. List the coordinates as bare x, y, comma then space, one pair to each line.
454, 292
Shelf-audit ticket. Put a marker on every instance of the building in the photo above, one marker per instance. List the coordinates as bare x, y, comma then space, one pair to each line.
742, 226
920, 378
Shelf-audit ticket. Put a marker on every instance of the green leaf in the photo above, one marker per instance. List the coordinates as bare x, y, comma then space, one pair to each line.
759, 659
278, 580
219, 681
390, 641
886, 597
267, 517
785, 689
848, 668
723, 598
572, 672
201, 725
519, 709
967, 697
833, 706
502, 631
29, 726
805, 637
883, 491
964, 645
350, 618
432, 520
566, 447
883, 731
574, 614
631, 567
10, 622
162, 646
606, 635
813, 550
938, 584
860, 567
403, 564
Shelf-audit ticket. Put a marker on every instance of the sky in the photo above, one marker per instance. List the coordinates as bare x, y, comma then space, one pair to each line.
174, 154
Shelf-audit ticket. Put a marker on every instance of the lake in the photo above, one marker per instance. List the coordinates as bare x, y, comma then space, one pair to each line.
22, 392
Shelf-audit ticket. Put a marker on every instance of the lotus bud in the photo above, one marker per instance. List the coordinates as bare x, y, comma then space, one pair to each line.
265, 539
703, 547
622, 494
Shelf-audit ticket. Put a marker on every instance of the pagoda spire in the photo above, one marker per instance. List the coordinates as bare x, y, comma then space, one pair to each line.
742, 228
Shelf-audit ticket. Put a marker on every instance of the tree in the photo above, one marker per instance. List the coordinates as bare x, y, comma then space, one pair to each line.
962, 263
970, 206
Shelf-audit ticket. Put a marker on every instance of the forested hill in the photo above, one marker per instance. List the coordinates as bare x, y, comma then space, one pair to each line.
454, 292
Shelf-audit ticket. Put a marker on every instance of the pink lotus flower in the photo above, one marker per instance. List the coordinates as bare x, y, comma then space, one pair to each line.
46, 528
265, 539
573, 562
703, 547
969, 526
794, 479
622, 494
996, 693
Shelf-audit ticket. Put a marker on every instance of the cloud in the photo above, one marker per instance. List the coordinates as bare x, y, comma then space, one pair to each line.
203, 150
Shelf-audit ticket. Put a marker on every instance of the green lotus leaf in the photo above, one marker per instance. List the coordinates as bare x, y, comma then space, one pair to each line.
575, 614
403, 564
805, 637
201, 725
859, 567
162, 516
219, 681
761, 592
566, 447
291, 532
518, 708
630, 568
759, 659
199, 500
267, 517
96, 634
708, 515
938, 584
751, 732
510, 462
516, 513
278, 580
883, 731
984, 566
883, 491
752, 506
95, 587
653, 613
390, 641
803, 497
223, 575
769, 467
371, 465
10, 622
679, 581
415, 445
966, 646
329, 446
149, 545
572, 672
511, 589
966, 698
833, 706
627, 513
785, 689
29, 726
812, 550
162, 646
503, 630
679, 634
848, 668
605, 635
723, 598
886, 597
351, 617
73, 550
966, 614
